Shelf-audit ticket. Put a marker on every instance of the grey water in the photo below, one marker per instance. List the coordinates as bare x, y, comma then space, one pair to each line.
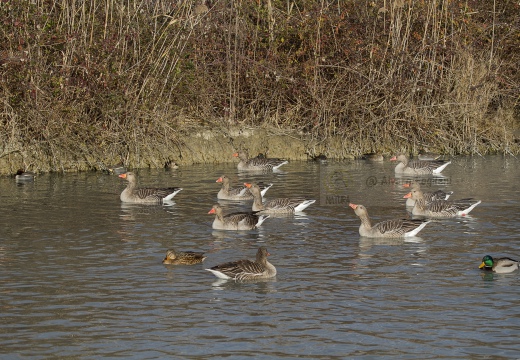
81, 274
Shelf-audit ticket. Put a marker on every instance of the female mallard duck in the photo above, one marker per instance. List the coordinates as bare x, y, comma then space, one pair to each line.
428, 196
132, 194
246, 269
440, 209
235, 221
276, 206
418, 167
387, 229
257, 163
427, 156
375, 157
237, 193
183, 257
500, 266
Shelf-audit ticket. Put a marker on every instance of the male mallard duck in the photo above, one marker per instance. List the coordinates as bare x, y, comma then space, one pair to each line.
246, 269
500, 266
418, 167
183, 257
276, 206
235, 221
132, 194
116, 169
440, 209
24, 176
389, 228
257, 163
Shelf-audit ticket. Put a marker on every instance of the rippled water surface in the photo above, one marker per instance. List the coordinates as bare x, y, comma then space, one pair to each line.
81, 274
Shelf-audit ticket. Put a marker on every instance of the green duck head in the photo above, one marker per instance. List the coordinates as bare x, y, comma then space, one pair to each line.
487, 261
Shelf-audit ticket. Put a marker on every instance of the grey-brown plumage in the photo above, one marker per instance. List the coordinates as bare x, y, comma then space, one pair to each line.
428, 196
440, 209
418, 167
243, 270
276, 206
235, 221
257, 163
428, 156
394, 228
133, 194
237, 193
183, 257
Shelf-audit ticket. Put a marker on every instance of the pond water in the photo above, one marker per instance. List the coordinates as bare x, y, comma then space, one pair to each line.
81, 274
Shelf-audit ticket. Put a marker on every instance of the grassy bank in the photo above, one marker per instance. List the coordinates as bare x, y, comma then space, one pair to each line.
93, 81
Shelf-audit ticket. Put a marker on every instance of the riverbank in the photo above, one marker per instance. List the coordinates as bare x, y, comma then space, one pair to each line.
200, 146
147, 84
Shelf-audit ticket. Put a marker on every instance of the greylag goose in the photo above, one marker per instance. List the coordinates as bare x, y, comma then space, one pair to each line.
428, 196
418, 167
500, 266
242, 270
183, 257
235, 221
24, 176
257, 163
276, 206
238, 193
440, 209
389, 228
132, 194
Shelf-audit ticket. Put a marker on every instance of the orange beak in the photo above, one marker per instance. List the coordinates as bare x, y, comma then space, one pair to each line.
393, 158
406, 185
353, 206
247, 185
235, 154
219, 179
407, 196
212, 211
122, 176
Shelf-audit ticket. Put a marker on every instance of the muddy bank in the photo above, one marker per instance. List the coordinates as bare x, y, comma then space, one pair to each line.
202, 146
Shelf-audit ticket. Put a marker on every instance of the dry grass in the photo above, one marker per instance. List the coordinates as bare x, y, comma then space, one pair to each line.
91, 81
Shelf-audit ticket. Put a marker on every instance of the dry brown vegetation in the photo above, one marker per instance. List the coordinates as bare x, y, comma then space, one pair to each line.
91, 80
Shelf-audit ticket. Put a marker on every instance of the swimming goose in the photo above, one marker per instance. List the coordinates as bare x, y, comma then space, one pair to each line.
276, 206
183, 257
389, 228
500, 266
132, 194
238, 193
428, 196
257, 163
246, 269
418, 167
235, 221
24, 176
440, 209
